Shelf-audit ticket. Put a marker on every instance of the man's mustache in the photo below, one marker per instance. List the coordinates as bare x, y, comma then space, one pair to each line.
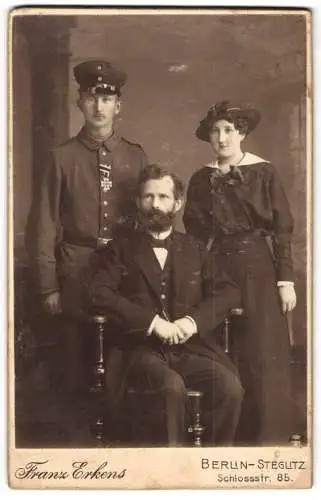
156, 218
155, 214
154, 211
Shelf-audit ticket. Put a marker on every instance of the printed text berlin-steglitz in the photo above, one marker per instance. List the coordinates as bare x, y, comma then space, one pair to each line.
259, 464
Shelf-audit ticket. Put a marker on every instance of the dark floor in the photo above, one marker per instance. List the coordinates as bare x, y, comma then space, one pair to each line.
46, 417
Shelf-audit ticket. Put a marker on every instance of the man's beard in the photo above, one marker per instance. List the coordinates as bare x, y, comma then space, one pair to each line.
156, 220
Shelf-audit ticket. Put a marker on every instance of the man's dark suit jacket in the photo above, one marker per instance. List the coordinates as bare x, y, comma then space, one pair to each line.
126, 286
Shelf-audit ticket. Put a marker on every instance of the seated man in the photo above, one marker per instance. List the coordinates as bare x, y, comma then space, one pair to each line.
165, 299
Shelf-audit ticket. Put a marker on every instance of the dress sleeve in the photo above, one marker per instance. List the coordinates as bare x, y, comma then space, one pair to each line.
194, 218
283, 228
43, 230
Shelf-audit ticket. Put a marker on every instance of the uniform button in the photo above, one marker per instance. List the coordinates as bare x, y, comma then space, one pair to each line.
105, 203
163, 296
103, 152
105, 215
163, 283
105, 228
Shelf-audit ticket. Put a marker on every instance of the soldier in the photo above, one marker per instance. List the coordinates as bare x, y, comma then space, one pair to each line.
85, 193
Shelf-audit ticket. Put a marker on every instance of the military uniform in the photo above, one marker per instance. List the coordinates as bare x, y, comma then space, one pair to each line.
86, 191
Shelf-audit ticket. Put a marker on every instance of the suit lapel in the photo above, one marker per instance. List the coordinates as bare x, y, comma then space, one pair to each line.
180, 260
143, 255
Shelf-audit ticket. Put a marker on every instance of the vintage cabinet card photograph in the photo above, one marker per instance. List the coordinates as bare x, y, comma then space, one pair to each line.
160, 248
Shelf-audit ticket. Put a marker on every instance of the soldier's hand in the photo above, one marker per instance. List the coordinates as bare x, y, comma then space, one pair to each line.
52, 303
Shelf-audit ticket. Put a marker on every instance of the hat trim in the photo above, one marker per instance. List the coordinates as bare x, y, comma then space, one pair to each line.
106, 87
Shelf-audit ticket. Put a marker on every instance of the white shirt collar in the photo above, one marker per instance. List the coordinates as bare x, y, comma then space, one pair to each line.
163, 235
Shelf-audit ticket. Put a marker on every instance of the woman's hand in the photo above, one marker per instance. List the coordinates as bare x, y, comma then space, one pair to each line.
288, 297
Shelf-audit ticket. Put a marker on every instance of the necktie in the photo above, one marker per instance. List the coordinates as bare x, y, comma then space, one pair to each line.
157, 243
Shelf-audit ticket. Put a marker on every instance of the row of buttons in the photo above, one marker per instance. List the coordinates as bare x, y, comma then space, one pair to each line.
163, 285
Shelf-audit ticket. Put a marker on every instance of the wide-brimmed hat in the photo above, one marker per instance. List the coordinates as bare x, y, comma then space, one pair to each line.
226, 110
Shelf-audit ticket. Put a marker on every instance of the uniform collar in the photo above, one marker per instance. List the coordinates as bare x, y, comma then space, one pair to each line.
110, 143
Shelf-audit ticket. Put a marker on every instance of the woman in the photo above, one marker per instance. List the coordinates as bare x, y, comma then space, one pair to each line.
233, 205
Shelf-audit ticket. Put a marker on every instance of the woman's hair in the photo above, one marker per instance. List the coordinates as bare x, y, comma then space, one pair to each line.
224, 111
241, 124
154, 171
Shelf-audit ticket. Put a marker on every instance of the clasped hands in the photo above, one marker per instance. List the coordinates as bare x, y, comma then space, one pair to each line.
176, 332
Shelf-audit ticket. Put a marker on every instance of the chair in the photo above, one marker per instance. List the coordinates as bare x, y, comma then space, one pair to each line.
195, 428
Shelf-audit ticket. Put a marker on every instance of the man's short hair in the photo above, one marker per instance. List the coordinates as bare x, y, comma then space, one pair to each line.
154, 171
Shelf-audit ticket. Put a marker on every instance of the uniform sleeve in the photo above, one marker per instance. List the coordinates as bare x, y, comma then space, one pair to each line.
194, 217
126, 195
42, 233
283, 228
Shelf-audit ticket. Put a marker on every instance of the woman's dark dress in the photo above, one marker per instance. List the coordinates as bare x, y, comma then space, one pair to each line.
238, 210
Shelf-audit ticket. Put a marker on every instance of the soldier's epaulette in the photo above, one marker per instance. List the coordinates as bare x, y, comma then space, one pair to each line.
132, 143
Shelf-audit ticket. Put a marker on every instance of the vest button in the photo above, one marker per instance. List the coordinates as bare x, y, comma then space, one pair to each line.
163, 296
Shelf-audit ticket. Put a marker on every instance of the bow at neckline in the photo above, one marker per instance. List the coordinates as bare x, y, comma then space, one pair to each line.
231, 177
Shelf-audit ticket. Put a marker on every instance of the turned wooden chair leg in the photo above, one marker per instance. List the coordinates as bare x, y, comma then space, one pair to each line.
99, 378
196, 428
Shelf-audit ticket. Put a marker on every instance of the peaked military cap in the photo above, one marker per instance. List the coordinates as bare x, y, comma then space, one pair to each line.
101, 77
224, 110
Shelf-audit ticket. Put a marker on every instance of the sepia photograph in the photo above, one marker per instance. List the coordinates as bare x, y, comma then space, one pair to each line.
160, 248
